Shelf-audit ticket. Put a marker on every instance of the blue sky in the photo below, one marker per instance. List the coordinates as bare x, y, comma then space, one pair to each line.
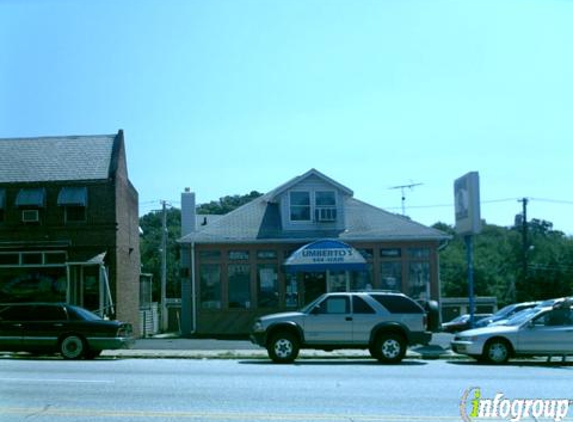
230, 96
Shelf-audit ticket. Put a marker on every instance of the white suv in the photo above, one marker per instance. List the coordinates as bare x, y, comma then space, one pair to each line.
385, 323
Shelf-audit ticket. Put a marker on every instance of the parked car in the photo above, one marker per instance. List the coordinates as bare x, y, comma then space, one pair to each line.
543, 331
72, 331
385, 323
461, 322
505, 313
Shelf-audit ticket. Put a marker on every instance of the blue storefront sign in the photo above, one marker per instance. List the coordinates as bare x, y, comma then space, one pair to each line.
326, 255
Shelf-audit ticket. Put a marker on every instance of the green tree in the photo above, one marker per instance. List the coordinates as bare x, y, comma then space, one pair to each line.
151, 225
227, 203
499, 263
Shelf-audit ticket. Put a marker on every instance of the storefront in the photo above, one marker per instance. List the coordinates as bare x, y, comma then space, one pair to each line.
279, 252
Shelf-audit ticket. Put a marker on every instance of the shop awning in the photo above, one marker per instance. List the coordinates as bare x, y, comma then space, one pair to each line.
73, 196
31, 197
326, 255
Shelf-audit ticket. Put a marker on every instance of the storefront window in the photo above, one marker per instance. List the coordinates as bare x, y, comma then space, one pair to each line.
337, 281
300, 206
268, 294
212, 255
390, 253
391, 275
240, 286
267, 254
419, 253
291, 294
210, 275
361, 280
23, 284
238, 255
419, 280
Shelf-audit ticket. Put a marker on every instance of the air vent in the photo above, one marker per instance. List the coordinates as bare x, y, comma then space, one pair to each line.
30, 216
325, 214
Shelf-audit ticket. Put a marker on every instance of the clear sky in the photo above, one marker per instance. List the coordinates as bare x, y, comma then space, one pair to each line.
230, 96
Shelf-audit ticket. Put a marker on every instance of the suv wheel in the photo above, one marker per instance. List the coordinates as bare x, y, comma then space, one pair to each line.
389, 348
283, 347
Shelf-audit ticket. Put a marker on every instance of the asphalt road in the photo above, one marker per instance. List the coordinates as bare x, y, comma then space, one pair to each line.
257, 390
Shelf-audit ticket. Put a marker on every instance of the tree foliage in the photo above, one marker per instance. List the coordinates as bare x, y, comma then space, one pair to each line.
227, 203
506, 268
151, 225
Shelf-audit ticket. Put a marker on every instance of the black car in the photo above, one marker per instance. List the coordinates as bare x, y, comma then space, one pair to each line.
72, 331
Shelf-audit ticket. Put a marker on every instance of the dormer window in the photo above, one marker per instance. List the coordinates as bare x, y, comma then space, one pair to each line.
300, 206
319, 206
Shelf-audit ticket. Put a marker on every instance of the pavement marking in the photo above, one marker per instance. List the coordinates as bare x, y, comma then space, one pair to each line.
201, 416
57, 380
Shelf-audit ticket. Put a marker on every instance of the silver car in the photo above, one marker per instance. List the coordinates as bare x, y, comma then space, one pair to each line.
541, 331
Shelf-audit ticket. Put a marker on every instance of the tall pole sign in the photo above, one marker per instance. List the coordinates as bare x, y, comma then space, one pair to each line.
468, 223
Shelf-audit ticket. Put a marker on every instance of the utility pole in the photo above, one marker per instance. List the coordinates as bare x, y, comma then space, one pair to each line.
402, 188
164, 319
524, 201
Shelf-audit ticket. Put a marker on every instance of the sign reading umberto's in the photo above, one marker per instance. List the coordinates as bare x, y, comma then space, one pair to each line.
326, 254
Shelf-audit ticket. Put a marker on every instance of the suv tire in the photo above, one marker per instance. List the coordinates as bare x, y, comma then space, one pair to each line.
389, 348
283, 347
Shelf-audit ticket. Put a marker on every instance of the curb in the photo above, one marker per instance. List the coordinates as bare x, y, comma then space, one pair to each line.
432, 354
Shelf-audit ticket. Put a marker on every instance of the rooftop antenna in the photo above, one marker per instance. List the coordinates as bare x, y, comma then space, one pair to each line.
402, 189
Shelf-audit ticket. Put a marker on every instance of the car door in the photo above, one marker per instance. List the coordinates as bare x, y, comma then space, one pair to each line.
330, 322
550, 332
12, 318
44, 328
363, 321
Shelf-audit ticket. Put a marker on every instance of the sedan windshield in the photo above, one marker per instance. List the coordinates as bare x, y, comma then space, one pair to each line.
522, 316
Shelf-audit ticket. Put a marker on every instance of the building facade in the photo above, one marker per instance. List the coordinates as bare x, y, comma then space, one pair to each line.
69, 224
236, 268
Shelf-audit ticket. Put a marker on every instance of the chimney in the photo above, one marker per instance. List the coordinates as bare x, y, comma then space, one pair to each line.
188, 217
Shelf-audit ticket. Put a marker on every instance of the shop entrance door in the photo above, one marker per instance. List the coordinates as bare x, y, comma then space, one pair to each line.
314, 285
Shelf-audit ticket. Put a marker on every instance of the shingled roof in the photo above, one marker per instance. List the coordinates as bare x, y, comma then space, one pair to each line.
52, 159
259, 222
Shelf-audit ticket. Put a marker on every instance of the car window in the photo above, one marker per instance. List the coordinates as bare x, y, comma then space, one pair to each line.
554, 318
49, 313
334, 305
81, 314
399, 304
16, 313
359, 306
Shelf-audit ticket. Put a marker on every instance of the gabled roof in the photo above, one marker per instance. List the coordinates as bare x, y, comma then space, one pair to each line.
50, 159
312, 172
259, 222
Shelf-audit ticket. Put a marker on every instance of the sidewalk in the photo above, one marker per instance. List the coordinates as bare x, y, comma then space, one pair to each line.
166, 347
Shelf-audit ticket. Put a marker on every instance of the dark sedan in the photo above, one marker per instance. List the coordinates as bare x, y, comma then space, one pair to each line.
72, 331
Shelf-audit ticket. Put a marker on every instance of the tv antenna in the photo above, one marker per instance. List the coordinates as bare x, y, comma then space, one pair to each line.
403, 190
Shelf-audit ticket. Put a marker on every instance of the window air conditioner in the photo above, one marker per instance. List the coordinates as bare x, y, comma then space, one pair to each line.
325, 215
30, 216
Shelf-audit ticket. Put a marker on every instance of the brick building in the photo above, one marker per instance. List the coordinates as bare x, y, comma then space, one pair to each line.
245, 263
69, 228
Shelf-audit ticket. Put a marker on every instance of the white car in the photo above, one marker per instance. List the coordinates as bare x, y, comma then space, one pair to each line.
544, 331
